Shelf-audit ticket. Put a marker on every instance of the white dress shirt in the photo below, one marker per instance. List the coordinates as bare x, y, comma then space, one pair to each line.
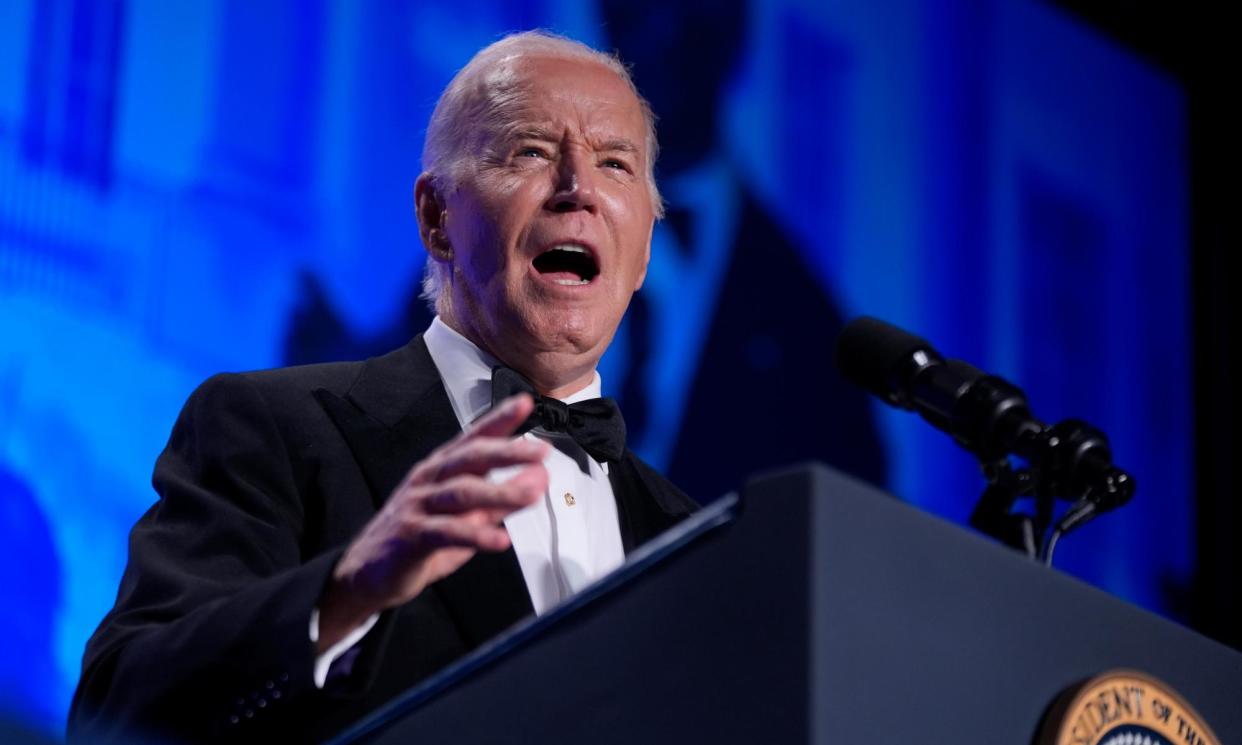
565, 541
571, 537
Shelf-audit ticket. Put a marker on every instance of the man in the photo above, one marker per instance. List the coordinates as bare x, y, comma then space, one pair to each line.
328, 535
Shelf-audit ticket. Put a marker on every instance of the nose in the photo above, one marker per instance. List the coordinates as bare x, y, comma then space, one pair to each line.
575, 183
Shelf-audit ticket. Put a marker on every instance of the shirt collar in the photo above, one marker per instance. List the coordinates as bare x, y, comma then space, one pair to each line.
466, 372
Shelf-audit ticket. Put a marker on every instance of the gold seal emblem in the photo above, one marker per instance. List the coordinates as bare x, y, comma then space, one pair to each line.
1124, 707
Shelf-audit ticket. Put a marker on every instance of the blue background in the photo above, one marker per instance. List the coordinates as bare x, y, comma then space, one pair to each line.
201, 186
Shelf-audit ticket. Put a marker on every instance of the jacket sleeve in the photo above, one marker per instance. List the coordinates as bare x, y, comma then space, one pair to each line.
208, 640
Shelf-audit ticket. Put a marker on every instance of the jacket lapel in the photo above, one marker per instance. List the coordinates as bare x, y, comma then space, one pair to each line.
393, 416
647, 504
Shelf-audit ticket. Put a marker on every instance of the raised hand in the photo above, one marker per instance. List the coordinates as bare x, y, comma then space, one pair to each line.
441, 513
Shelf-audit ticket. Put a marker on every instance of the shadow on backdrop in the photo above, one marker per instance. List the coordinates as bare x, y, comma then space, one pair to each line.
30, 576
764, 391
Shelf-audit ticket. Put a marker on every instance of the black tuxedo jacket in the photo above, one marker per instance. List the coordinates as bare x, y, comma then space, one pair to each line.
265, 479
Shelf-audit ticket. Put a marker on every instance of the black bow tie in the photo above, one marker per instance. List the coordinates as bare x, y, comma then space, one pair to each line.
595, 424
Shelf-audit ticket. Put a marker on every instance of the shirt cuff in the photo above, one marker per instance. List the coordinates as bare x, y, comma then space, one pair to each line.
326, 662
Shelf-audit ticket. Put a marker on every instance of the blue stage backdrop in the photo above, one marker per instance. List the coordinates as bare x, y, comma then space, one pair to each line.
214, 185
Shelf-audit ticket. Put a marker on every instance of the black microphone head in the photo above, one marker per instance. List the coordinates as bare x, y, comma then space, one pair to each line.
882, 358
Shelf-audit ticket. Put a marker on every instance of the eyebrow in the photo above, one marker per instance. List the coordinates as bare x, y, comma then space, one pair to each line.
531, 133
542, 134
618, 145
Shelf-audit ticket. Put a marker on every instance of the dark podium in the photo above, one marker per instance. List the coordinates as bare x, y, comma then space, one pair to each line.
814, 609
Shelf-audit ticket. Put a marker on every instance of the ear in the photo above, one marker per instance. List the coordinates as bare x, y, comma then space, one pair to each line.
642, 275
432, 214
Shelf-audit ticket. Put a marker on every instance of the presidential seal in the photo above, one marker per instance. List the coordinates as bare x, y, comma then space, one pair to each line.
1124, 707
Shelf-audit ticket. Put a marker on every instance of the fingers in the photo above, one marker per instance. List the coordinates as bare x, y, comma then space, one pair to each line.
456, 532
534, 477
477, 456
467, 493
444, 510
484, 445
503, 420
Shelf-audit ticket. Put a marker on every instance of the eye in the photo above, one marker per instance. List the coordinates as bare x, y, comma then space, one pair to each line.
616, 164
530, 151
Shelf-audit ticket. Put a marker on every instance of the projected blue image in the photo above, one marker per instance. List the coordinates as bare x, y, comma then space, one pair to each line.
200, 186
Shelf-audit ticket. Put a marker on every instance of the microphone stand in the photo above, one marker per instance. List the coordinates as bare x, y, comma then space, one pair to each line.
1070, 460
993, 516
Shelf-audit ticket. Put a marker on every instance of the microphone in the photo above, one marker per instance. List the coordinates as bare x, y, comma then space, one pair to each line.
985, 414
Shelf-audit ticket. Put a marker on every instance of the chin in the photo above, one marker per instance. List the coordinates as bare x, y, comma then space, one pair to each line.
572, 331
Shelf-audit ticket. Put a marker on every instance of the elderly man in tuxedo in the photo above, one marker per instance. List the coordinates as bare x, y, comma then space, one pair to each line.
326, 536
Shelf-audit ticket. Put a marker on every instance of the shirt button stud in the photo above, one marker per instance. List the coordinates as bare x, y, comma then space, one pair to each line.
569, 499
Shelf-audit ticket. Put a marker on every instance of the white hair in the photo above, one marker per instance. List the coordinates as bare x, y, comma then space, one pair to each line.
483, 95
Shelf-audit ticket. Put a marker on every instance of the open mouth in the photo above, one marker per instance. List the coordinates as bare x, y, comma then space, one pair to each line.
567, 264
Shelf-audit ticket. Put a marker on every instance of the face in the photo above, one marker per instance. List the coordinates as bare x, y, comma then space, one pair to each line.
548, 230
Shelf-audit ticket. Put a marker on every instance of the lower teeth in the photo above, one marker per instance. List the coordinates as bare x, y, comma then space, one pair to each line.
571, 281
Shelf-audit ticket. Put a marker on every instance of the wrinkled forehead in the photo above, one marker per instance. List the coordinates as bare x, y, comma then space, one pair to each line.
580, 97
